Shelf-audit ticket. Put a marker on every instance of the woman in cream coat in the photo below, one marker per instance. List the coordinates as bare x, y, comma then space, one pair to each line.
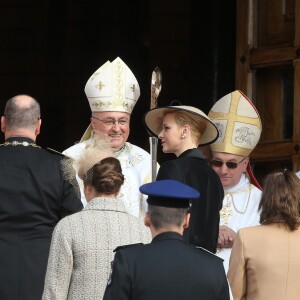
265, 260
82, 244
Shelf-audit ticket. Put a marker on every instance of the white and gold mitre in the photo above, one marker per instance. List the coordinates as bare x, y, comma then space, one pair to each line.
238, 123
113, 87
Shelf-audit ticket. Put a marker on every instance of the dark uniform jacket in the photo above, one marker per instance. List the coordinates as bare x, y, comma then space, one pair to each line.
33, 198
168, 268
190, 168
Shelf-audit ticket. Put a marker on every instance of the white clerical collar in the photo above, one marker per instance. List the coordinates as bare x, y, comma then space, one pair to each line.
119, 152
243, 184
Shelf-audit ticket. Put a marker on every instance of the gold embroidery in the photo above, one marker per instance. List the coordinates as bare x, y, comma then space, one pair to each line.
100, 85
98, 104
226, 212
118, 81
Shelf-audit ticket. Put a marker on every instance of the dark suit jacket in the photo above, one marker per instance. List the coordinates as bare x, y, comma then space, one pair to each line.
33, 197
191, 169
168, 268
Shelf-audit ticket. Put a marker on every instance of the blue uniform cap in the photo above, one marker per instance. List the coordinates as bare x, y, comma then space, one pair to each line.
169, 193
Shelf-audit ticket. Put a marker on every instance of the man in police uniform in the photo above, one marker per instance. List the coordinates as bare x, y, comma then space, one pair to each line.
168, 267
33, 197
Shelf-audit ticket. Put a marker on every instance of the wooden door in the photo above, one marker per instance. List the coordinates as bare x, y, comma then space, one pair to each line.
268, 71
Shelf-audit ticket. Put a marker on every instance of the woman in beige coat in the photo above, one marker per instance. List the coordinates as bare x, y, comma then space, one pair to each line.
265, 259
82, 244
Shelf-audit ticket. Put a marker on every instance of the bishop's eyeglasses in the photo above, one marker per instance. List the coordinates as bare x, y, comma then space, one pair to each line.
110, 122
229, 164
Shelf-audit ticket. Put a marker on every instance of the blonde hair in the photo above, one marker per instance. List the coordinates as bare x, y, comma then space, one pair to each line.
197, 125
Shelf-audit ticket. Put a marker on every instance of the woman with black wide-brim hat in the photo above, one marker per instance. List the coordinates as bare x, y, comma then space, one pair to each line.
181, 130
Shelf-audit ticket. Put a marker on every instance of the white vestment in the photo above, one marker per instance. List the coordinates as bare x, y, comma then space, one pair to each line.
136, 167
240, 209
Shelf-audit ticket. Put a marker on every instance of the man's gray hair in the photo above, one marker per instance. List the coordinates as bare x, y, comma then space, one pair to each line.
21, 116
165, 217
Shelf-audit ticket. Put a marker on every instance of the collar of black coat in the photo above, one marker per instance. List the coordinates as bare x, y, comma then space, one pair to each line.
192, 153
19, 139
168, 235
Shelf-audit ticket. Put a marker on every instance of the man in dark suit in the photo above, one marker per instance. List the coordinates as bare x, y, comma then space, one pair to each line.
168, 267
33, 197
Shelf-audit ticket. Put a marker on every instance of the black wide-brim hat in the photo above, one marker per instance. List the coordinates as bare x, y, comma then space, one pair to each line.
153, 122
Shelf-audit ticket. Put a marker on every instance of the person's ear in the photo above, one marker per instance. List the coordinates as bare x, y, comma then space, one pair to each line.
186, 220
185, 130
3, 125
38, 127
147, 219
92, 122
87, 189
245, 164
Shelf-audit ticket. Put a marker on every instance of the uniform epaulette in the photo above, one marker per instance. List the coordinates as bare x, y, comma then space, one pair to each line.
205, 250
128, 246
56, 152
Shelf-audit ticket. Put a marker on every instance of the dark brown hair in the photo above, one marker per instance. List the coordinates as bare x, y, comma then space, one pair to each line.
106, 176
166, 217
280, 201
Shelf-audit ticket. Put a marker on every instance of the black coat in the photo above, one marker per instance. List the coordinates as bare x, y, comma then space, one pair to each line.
168, 268
190, 168
33, 198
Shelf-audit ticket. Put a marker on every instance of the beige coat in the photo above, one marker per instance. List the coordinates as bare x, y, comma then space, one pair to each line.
265, 263
82, 249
